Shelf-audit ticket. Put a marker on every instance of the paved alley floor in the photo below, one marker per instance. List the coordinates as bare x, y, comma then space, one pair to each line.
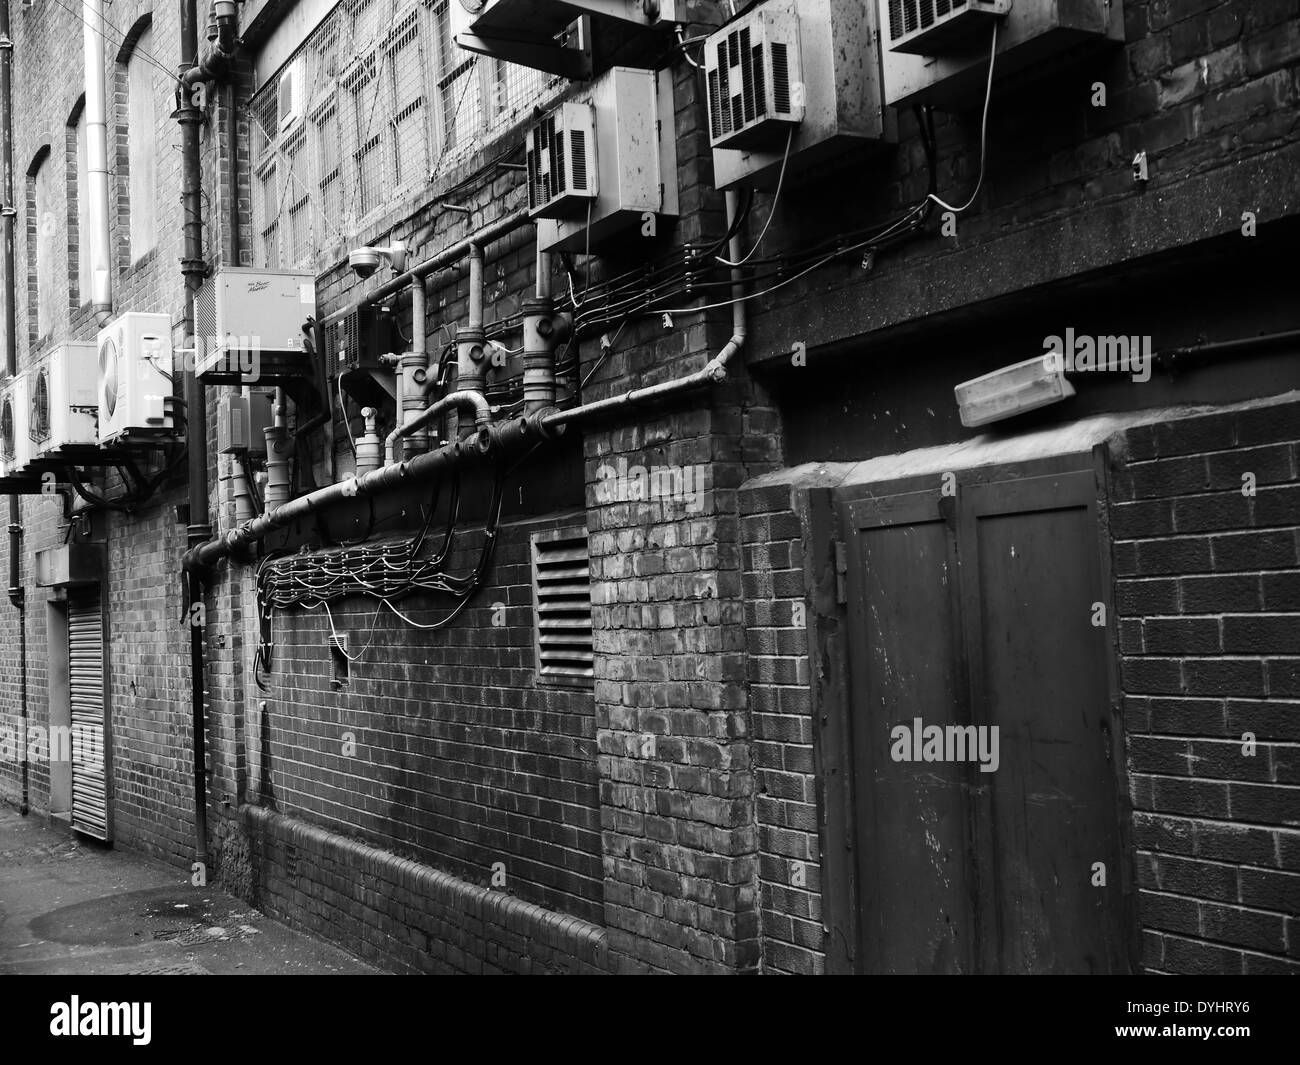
69, 906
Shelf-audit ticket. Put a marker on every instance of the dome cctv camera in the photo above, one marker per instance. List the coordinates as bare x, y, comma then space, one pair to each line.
364, 262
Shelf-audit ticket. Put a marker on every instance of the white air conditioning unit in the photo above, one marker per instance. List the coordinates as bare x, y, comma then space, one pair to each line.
248, 323
135, 365
64, 402
631, 169
15, 431
933, 27
561, 160
755, 79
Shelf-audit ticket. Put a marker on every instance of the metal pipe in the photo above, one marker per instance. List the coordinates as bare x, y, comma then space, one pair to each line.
196, 427
714, 371
475, 401
499, 440
471, 355
218, 53
413, 367
100, 242
449, 255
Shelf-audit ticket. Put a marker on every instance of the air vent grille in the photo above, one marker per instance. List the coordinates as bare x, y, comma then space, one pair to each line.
562, 590
752, 69
932, 27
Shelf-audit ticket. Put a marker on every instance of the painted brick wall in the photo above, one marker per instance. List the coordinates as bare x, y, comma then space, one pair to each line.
1208, 595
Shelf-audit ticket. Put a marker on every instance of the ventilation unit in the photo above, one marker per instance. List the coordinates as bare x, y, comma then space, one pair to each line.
632, 164
561, 162
562, 596
756, 91
248, 324
356, 346
64, 406
937, 51
15, 432
932, 27
289, 93
135, 386
798, 76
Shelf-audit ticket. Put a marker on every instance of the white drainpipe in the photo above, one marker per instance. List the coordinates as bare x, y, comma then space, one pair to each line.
98, 244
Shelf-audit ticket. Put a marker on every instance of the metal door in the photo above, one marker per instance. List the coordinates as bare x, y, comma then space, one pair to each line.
86, 688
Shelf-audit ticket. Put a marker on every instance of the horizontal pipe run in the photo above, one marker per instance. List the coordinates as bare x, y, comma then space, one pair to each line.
498, 440
474, 401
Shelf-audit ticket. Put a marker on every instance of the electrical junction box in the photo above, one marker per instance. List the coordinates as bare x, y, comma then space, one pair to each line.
248, 325
64, 404
15, 434
242, 422
135, 376
835, 76
634, 159
1034, 37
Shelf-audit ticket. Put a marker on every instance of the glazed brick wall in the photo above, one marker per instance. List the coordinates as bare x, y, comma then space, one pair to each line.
1207, 585
461, 760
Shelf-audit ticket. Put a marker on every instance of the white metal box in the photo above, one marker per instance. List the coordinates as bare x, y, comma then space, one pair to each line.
1033, 37
754, 78
843, 106
248, 320
636, 160
561, 158
135, 368
64, 403
15, 430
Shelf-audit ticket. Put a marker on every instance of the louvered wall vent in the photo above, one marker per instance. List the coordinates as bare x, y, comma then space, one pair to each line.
562, 595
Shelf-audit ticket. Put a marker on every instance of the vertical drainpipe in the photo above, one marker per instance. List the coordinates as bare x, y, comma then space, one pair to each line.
542, 331
413, 368
17, 593
99, 244
471, 363
196, 429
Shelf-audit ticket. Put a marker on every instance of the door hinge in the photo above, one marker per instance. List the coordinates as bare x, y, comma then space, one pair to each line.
841, 572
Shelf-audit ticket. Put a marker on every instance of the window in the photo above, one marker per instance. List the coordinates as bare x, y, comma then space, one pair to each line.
42, 232
562, 599
142, 92
79, 193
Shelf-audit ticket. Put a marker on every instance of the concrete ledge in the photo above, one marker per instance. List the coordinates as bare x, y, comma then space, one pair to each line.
406, 913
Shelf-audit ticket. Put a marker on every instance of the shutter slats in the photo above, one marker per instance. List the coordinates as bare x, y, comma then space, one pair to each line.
562, 589
86, 695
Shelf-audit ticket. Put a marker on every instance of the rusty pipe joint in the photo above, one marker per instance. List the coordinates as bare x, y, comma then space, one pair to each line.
473, 401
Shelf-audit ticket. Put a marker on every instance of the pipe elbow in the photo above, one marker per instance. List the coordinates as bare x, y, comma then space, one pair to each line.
103, 314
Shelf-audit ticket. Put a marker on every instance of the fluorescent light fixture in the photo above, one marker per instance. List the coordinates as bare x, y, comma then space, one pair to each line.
1012, 390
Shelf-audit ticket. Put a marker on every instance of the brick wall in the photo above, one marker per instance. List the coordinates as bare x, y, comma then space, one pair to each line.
1208, 595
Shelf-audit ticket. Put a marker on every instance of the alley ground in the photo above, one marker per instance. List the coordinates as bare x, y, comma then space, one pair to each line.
69, 906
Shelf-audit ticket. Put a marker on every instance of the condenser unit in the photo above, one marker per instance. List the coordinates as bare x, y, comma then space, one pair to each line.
135, 386
632, 166
249, 324
64, 406
792, 86
755, 84
359, 347
15, 430
938, 53
933, 27
562, 177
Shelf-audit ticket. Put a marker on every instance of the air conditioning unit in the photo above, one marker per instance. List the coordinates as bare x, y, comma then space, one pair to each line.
248, 324
356, 347
135, 386
792, 86
631, 167
64, 404
932, 27
755, 84
562, 176
15, 431
937, 51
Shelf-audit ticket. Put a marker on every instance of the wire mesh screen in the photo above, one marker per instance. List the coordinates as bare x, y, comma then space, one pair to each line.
375, 103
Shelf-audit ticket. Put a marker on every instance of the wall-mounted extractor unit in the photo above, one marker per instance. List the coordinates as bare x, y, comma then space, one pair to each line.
933, 27
135, 385
64, 402
359, 346
15, 430
560, 153
631, 161
755, 85
575, 39
249, 325
937, 53
799, 76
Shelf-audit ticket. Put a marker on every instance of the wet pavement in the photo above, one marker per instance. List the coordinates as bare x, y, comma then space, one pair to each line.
70, 906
